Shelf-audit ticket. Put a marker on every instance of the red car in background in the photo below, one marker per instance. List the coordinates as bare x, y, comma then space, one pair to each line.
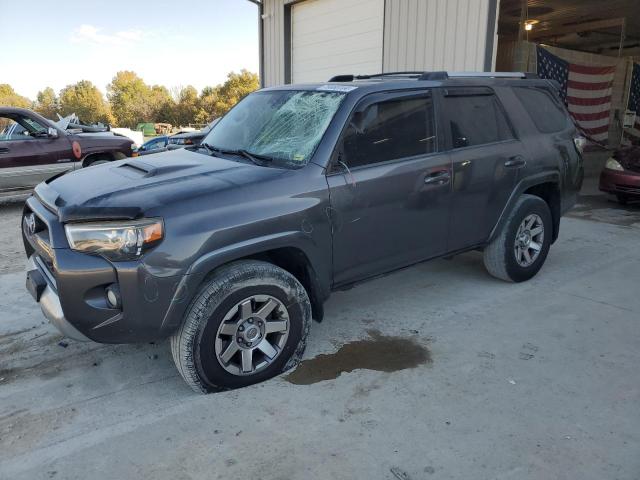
32, 149
621, 174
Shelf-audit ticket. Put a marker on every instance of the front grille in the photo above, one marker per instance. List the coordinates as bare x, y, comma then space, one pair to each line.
37, 233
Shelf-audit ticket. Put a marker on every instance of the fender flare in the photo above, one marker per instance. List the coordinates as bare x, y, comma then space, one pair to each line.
522, 186
203, 266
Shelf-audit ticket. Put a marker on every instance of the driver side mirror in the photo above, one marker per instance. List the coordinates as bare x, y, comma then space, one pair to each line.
52, 133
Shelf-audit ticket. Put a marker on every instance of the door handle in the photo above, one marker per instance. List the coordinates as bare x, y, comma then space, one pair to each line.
516, 161
4, 150
438, 178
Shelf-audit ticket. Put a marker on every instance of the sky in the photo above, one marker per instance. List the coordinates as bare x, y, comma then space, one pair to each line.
56, 43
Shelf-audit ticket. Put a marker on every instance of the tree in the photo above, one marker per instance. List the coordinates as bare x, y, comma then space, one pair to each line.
9, 97
85, 100
187, 106
47, 103
132, 100
216, 101
162, 105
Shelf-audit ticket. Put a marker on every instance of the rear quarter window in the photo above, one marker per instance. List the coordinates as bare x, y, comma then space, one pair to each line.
543, 109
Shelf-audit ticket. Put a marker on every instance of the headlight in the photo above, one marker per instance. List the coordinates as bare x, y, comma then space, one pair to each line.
580, 143
613, 164
115, 240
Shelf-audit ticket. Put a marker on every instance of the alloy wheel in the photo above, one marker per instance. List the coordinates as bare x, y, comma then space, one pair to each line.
529, 240
252, 335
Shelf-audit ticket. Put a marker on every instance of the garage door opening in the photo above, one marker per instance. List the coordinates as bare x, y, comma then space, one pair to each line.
590, 47
330, 37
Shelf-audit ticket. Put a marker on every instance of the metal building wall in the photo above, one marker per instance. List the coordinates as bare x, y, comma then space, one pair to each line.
439, 35
418, 35
273, 42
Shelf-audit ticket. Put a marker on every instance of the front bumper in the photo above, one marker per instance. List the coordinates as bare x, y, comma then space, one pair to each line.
625, 183
47, 297
71, 288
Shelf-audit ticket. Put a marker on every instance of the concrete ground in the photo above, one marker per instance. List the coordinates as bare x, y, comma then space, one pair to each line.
531, 381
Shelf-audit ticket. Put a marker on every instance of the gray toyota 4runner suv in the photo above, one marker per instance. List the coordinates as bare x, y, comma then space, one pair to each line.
230, 249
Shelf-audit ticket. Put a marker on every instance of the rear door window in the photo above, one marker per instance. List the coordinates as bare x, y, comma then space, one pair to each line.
390, 130
475, 119
543, 109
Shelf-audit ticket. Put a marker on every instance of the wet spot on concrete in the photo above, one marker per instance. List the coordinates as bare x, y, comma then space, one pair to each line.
604, 209
380, 352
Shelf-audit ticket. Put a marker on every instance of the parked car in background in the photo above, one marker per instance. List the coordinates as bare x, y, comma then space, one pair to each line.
621, 174
231, 248
186, 139
155, 145
173, 142
33, 149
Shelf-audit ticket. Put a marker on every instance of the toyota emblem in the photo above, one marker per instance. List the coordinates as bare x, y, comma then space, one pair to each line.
30, 222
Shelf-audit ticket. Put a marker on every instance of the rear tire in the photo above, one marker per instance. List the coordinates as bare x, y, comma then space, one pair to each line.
622, 199
521, 248
249, 322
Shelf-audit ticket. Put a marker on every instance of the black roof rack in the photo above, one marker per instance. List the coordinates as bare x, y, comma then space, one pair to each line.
439, 75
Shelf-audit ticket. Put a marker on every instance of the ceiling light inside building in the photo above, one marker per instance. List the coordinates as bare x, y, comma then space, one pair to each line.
528, 25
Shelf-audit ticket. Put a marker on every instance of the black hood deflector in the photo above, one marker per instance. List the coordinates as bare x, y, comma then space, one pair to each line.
68, 214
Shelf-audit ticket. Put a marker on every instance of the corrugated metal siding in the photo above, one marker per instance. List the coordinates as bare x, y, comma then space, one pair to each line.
273, 38
435, 35
333, 37
418, 35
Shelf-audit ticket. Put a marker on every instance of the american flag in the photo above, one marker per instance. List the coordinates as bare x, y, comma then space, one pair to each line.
585, 88
632, 135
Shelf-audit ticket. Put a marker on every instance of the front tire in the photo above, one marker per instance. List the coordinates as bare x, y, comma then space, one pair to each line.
98, 160
521, 248
248, 323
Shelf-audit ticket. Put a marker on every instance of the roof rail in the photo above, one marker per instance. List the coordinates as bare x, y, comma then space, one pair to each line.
434, 76
439, 75
351, 77
493, 74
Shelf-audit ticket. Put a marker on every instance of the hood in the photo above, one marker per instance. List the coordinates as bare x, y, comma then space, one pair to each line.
102, 138
127, 188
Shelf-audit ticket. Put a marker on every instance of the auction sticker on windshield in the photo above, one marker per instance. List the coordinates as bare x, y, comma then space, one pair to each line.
336, 88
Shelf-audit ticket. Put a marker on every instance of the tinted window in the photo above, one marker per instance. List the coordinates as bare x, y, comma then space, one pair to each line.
388, 131
476, 120
543, 109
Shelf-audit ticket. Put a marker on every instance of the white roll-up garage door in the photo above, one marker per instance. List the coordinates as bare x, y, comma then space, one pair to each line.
331, 37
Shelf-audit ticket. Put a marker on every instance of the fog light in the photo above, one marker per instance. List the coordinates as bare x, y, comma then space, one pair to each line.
113, 296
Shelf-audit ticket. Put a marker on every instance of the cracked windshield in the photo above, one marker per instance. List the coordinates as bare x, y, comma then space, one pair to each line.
284, 126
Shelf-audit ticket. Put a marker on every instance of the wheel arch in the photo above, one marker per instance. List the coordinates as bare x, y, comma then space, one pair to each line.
102, 155
550, 193
297, 263
545, 185
287, 251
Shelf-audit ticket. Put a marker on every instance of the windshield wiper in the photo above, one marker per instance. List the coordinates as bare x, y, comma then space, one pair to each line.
256, 158
208, 147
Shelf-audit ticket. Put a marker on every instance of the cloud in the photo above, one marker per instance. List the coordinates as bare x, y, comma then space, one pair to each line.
92, 34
